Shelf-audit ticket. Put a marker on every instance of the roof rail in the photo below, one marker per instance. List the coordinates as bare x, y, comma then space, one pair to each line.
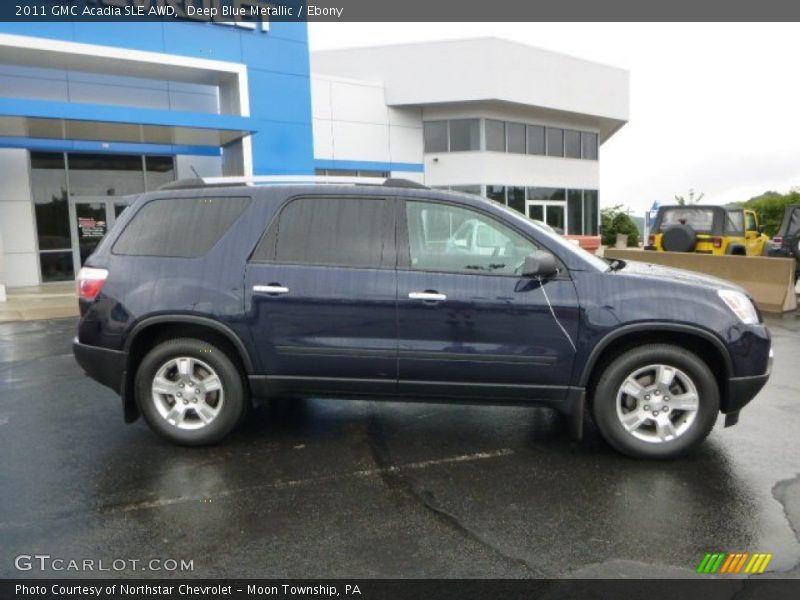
185, 184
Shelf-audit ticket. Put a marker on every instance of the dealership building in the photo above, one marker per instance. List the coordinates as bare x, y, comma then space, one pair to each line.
91, 113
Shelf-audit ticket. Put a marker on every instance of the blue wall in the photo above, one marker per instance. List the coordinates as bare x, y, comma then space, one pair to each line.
278, 72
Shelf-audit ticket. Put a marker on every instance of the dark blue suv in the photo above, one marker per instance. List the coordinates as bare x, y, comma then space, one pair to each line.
205, 298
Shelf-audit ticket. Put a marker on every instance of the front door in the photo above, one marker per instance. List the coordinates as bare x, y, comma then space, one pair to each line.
552, 213
90, 219
321, 296
469, 324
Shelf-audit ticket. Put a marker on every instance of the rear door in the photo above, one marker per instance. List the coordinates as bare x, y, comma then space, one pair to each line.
321, 289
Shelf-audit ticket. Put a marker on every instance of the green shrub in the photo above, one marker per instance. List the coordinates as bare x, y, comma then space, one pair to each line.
770, 207
613, 221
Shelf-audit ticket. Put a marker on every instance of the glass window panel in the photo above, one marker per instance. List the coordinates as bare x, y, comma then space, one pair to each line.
546, 193
435, 135
750, 222
698, 218
105, 174
467, 189
497, 193
536, 139
536, 211
92, 225
572, 143
56, 266
555, 217
151, 232
480, 244
515, 133
495, 135
465, 135
160, 171
590, 212
589, 143
555, 141
734, 222
49, 190
516, 198
575, 212
347, 232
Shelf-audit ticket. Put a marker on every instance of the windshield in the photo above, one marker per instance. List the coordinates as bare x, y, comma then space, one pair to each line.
560, 242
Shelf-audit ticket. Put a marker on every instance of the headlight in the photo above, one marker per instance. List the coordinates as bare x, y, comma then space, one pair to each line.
741, 305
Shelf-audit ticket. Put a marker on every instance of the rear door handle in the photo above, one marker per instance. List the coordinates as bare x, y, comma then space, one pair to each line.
273, 289
427, 296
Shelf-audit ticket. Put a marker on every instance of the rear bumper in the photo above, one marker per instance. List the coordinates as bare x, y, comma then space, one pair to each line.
101, 364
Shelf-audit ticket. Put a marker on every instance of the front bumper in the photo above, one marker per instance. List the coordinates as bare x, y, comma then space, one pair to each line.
101, 364
741, 390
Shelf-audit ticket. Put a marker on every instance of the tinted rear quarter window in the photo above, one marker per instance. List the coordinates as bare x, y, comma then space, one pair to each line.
329, 231
179, 227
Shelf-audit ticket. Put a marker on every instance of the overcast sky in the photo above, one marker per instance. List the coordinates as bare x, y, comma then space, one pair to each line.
714, 107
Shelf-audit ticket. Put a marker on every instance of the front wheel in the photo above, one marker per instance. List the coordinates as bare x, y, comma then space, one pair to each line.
658, 401
190, 392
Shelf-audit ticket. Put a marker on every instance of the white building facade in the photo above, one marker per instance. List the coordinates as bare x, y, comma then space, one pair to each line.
518, 124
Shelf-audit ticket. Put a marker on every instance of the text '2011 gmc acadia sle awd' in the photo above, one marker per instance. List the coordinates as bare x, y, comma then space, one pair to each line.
204, 298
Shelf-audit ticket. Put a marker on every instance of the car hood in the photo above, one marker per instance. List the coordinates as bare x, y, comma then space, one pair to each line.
650, 271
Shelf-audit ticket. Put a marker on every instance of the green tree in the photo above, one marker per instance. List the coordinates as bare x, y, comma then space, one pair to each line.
684, 201
770, 207
615, 220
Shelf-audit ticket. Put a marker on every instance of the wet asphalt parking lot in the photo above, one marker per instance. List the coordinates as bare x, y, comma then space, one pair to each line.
324, 488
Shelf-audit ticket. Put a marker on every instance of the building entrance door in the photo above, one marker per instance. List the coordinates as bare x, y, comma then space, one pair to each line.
90, 220
552, 213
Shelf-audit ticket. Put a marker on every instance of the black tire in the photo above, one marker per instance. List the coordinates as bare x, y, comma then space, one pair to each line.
604, 401
679, 238
234, 401
796, 248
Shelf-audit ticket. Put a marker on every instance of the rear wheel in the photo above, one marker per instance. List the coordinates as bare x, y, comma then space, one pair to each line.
657, 401
190, 392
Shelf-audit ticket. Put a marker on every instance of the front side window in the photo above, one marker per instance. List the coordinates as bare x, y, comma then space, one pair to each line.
479, 244
343, 232
750, 221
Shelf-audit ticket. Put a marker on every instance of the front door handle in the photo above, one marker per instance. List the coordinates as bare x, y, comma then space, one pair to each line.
273, 289
427, 296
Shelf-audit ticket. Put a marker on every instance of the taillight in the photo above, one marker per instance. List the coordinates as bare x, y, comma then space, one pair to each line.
717, 241
90, 282
651, 240
777, 241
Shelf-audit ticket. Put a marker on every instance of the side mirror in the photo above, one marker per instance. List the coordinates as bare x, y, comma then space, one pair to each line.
539, 264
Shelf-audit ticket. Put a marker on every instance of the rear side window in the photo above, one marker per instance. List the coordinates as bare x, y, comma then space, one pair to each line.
179, 227
346, 232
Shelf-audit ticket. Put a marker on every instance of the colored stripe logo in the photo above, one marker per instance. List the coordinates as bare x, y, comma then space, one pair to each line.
734, 563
